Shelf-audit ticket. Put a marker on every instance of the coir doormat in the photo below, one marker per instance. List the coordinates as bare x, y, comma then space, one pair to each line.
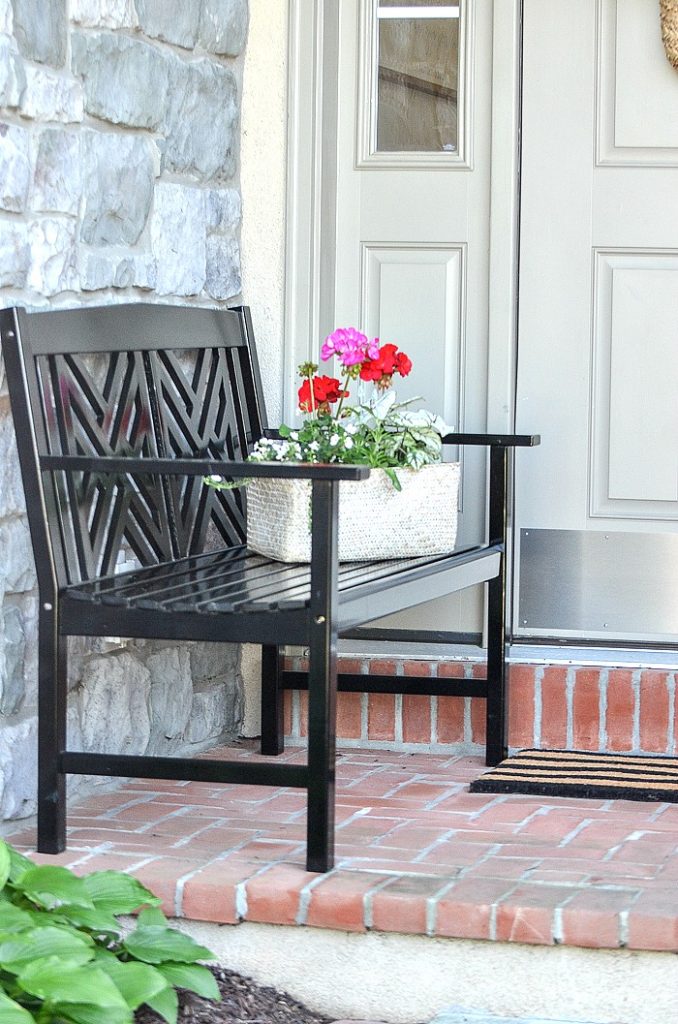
583, 774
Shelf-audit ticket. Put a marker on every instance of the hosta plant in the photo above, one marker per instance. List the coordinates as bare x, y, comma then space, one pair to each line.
65, 957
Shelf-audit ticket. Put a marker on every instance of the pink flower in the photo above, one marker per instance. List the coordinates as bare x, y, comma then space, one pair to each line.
350, 345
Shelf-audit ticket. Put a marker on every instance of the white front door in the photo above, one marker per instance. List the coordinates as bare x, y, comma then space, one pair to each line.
406, 186
598, 333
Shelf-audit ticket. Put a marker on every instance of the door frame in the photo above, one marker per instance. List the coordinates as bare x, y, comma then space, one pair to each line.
311, 196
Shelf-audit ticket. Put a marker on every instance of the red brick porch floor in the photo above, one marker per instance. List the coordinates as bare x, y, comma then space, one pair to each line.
416, 853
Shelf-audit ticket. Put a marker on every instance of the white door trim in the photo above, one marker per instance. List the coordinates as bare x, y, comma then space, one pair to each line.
311, 186
504, 226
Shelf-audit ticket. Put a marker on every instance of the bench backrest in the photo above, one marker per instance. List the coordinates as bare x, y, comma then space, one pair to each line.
143, 380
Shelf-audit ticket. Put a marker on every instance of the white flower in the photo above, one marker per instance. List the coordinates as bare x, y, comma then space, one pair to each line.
214, 479
294, 435
334, 440
351, 428
313, 446
348, 442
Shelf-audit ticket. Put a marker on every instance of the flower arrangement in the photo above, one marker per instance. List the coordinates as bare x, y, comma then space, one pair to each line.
377, 431
394, 513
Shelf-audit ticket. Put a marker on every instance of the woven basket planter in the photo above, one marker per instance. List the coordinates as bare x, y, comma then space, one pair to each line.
375, 520
669, 18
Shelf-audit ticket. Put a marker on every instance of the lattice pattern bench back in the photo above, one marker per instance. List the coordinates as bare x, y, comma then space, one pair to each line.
140, 380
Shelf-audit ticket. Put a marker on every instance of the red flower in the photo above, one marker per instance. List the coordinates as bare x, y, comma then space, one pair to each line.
388, 362
325, 391
403, 364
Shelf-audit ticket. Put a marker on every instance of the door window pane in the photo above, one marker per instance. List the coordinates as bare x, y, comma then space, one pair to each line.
418, 76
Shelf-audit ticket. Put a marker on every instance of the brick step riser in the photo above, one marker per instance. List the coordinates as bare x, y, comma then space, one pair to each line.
551, 706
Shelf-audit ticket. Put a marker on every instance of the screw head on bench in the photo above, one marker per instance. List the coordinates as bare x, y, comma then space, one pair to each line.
319, 619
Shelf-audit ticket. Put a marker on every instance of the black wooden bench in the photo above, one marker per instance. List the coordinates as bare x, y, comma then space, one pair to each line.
119, 413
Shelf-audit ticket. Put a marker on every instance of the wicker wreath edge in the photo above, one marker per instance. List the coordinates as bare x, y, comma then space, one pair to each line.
668, 10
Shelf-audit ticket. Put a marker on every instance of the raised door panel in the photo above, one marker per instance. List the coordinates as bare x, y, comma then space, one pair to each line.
637, 97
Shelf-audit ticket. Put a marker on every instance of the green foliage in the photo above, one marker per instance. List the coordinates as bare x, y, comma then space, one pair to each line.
383, 435
64, 957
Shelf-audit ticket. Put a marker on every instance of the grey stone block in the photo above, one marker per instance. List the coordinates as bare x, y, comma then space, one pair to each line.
12, 502
178, 239
212, 715
175, 23
14, 647
15, 168
51, 97
41, 30
12, 74
213, 662
56, 181
103, 13
52, 242
15, 254
223, 279
18, 768
223, 209
223, 26
113, 702
125, 80
16, 557
201, 120
6, 16
171, 693
139, 270
118, 176
111, 268
28, 607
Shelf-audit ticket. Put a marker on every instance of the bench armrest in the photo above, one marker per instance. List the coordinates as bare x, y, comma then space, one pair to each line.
204, 467
495, 440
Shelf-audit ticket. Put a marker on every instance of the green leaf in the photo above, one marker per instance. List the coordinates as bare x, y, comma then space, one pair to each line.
117, 893
153, 915
12, 1013
18, 864
136, 982
13, 919
166, 1003
193, 977
393, 477
38, 943
53, 886
58, 982
89, 1013
155, 945
5, 863
97, 922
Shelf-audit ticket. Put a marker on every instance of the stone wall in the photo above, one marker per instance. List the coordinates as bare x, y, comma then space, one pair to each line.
119, 159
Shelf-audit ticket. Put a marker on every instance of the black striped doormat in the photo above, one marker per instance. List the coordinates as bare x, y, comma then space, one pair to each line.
583, 774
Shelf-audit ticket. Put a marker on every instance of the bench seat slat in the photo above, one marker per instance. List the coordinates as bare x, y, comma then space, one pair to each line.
239, 581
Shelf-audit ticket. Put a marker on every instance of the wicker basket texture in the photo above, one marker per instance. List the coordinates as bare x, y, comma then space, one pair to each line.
375, 520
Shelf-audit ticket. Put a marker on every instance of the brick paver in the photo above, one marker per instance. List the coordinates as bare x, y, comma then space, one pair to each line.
416, 853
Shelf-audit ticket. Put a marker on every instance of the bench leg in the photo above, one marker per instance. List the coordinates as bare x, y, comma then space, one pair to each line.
272, 701
322, 697
496, 748
52, 697
497, 681
322, 675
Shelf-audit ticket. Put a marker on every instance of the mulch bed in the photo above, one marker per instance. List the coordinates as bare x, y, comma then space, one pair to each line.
242, 1002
